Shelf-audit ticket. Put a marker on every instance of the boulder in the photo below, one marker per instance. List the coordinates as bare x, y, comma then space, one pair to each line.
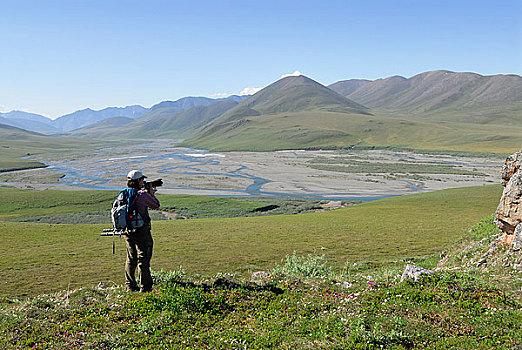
509, 211
259, 275
414, 272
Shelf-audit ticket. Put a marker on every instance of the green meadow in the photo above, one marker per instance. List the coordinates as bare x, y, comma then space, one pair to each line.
82, 207
44, 258
17, 143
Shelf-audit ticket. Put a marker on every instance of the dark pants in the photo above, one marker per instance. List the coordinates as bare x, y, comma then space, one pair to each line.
139, 253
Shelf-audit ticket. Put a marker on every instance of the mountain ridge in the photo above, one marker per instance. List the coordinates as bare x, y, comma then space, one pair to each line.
88, 116
431, 110
436, 90
178, 124
292, 94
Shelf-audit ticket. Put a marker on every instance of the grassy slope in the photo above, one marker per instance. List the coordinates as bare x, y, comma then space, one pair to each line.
18, 203
330, 129
16, 143
61, 207
44, 258
301, 307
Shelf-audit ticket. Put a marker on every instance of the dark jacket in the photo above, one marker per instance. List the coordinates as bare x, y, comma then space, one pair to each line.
144, 201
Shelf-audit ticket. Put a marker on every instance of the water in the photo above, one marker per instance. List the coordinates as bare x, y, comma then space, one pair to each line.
188, 170
107, 166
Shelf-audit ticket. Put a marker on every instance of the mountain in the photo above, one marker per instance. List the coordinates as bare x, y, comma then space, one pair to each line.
182, 104
436, 90
346, 87
288, 113
28, 121
292, 94
166, 109
164, 124
88, 116
298, 93
21, 115
191, 101
180, 124
8, 132
104, 128
437, 110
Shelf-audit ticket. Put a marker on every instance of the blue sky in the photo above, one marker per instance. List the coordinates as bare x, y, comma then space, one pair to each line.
60, 56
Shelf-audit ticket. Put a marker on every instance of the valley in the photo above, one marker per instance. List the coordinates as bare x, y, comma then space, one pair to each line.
261, 175
320, 174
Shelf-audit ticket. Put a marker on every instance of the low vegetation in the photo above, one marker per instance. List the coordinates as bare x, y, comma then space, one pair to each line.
302, 303
480, 253
386, 230
92, 207
189, 206
347, 165
19, 204
337, 286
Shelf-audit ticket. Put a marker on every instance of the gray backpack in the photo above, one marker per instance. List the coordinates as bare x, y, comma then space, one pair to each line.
124, 214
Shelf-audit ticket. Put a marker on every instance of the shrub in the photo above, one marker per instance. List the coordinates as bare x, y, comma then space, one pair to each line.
162, 276
309, 266
485, 228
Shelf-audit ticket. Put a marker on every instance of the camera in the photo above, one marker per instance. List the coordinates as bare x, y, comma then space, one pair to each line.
154, 184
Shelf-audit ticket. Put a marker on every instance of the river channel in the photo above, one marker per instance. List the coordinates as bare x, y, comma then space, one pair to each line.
279, 174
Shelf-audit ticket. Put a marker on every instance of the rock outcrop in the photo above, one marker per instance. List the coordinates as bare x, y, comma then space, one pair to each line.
414, 273
509, 211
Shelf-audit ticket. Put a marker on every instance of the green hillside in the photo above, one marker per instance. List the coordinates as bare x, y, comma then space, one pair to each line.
442, 111
104, 128
180, 124
159, 123
385, 230
328, 130
299, 93
16, 143
288, 95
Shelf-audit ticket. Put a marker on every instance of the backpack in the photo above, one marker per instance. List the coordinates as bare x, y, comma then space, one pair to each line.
123, 213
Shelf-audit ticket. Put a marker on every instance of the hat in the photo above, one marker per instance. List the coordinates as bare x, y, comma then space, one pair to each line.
135, 175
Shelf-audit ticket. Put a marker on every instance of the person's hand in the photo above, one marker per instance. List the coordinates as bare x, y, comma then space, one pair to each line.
149, 188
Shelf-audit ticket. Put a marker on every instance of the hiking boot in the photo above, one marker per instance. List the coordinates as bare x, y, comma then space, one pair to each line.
132, 289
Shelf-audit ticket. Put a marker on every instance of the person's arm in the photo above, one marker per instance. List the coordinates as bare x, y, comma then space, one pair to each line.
149, 199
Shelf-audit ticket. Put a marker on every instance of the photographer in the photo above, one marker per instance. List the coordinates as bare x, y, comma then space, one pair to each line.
139, 241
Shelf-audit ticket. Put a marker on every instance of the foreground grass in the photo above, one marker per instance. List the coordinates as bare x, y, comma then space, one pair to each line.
43, 258
447, 310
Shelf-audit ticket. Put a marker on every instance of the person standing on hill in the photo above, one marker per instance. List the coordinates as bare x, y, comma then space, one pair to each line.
139, 241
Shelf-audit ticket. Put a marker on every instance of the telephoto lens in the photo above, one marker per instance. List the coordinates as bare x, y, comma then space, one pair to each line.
157, 183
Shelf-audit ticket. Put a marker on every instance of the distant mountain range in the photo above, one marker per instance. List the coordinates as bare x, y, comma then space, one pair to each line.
431, 91
435, 110
78, 119
28, 121
88, 117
